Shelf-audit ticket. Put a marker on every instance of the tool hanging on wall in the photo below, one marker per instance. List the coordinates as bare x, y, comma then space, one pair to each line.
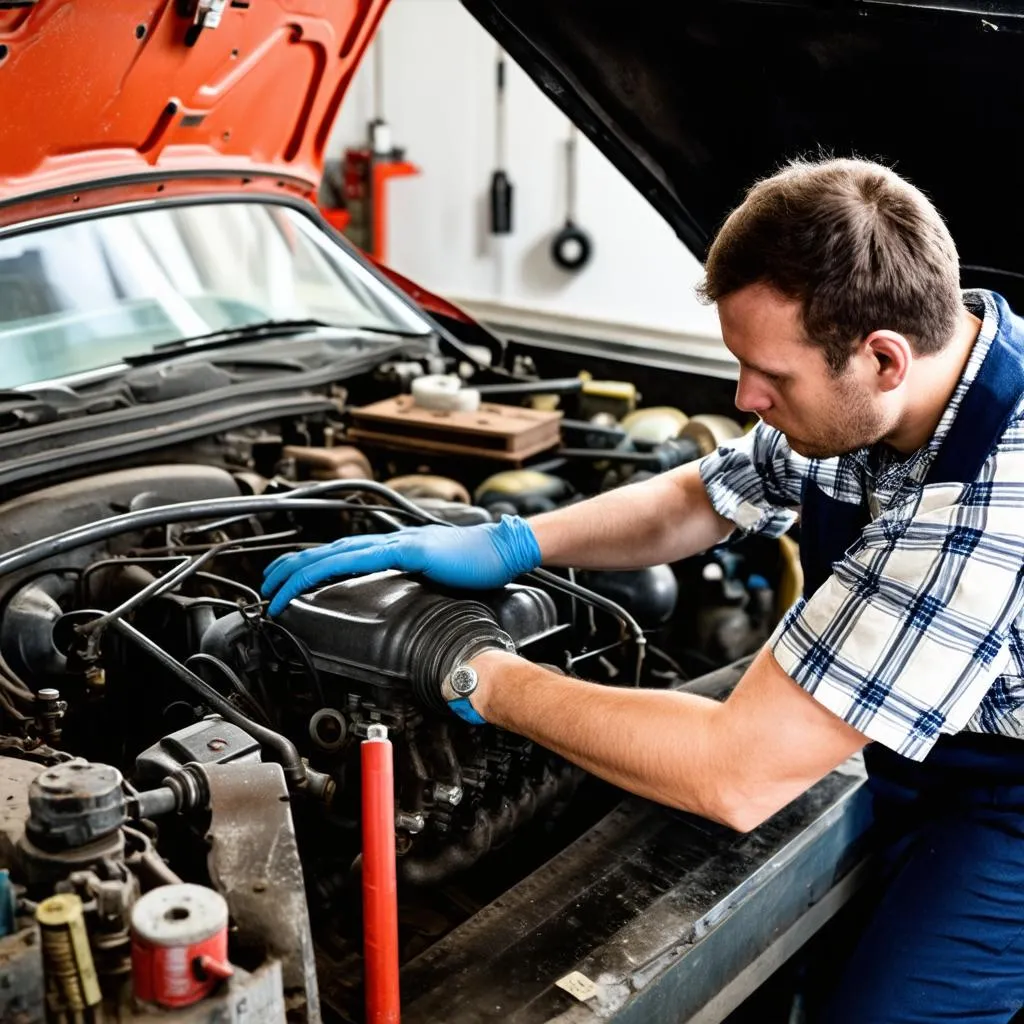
501, 186
379, 129
571, 248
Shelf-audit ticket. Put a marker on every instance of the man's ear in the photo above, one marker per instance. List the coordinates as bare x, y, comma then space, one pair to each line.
891, 355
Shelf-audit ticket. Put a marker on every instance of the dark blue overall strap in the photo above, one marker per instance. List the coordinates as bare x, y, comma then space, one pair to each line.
828, 527
987, 406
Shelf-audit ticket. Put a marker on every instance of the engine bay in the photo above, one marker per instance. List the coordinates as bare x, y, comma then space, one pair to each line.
160, 728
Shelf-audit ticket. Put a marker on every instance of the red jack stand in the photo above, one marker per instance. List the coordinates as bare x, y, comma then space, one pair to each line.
380, 887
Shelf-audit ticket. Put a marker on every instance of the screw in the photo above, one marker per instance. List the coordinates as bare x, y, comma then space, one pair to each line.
447, 794
217, 745
410, 822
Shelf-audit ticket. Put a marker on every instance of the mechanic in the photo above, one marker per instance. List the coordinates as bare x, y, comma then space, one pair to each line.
890, 418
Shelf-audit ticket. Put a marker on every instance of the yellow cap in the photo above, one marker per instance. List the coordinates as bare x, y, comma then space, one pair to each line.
62, 909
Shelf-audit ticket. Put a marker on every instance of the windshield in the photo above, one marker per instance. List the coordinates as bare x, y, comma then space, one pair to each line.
85, 295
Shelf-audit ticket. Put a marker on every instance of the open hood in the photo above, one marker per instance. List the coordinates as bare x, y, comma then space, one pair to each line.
107, 100
694, 101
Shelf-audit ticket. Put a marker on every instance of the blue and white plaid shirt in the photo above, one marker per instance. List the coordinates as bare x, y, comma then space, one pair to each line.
920, 629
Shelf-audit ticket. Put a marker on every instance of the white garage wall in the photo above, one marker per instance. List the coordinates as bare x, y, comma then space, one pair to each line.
438, 78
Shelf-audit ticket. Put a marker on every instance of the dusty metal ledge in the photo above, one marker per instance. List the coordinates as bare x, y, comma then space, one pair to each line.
669, 917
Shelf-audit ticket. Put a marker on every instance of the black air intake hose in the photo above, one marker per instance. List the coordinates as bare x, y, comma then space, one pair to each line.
447, 635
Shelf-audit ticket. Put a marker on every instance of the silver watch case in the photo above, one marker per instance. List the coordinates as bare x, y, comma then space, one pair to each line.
460, 683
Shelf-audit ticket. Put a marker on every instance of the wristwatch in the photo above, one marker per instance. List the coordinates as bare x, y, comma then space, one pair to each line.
458, 686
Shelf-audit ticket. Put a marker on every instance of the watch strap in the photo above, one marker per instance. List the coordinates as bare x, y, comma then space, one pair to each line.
466, 711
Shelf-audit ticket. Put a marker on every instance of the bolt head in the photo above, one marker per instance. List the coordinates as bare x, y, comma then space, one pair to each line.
448, 794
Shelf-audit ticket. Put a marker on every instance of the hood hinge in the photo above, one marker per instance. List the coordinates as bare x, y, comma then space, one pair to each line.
204, 14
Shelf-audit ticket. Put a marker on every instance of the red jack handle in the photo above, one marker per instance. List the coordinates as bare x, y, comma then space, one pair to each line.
380, 888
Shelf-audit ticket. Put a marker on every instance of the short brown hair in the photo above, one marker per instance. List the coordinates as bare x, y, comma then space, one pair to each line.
860, 247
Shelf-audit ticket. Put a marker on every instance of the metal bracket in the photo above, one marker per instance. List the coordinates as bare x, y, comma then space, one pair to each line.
204, 14
254, 864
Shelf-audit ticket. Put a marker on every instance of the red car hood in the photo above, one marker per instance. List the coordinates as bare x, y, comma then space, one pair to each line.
114, 100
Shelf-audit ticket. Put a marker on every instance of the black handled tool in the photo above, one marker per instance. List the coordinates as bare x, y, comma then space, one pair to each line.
501, 185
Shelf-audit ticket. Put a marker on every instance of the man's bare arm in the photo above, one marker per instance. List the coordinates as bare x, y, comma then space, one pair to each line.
660, 520
736, 762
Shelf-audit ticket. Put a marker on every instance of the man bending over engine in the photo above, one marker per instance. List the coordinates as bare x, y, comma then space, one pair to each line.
891, 421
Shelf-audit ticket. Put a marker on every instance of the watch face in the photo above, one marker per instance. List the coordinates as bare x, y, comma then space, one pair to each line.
463, 680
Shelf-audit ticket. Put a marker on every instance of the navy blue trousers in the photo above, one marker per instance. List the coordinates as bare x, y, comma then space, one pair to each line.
946, 940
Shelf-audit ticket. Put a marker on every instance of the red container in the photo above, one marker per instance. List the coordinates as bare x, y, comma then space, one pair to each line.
179, 944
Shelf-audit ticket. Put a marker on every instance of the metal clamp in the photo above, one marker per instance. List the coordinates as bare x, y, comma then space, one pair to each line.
204, 14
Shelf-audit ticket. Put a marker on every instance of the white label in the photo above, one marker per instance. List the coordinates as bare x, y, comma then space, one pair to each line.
578, 985
177, 971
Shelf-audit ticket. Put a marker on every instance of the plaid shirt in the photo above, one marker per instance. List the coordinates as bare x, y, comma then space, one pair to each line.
920, 629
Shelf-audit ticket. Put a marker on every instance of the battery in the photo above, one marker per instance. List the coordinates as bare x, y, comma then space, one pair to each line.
179, 944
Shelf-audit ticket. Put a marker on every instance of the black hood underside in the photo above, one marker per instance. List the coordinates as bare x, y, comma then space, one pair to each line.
694, 101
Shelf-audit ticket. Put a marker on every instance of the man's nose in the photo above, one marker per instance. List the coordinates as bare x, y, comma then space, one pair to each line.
750, 395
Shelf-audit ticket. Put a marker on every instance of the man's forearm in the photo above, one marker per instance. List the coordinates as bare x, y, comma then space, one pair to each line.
660, 520
608, 731
736, 762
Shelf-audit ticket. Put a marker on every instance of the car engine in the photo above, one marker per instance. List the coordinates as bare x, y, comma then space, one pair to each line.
158, 728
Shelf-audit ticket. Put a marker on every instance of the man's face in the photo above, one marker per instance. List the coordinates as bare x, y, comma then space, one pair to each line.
788, 384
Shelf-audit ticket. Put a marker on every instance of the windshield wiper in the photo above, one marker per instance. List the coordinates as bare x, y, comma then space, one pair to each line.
262, 329
246, 332
398, 332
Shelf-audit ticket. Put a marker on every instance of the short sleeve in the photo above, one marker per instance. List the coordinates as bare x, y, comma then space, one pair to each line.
912, 629
755, 481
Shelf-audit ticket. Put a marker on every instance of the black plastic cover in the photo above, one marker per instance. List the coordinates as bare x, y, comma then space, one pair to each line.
650, 594
369, 628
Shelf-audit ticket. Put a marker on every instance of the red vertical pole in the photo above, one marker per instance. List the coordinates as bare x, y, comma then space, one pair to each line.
380, 888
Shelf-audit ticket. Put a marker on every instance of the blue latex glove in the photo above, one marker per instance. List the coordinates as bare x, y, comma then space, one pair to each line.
467, 557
